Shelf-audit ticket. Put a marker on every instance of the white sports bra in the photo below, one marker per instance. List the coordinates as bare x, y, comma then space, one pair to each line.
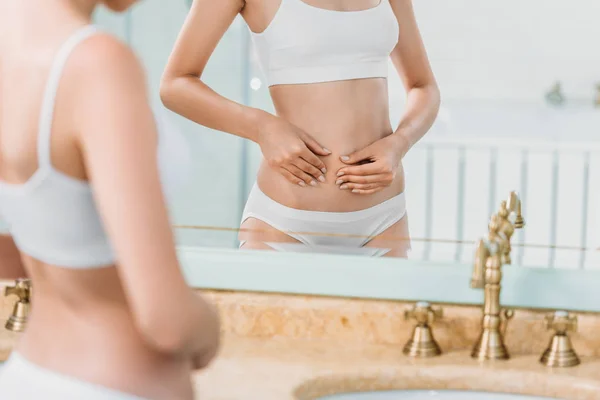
52, 216
307, 44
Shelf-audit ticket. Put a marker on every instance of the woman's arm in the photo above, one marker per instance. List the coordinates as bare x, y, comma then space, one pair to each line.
118, 140
182, 89
422, 105
287, 148
411, 62
11, 266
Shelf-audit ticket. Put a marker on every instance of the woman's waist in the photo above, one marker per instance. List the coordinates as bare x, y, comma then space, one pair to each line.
349, 110
103, 327
324, 196
364, 96
342, 134
102, 347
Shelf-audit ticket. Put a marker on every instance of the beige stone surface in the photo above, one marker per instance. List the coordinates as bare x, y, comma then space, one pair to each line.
295, 369
382, 322
282, 347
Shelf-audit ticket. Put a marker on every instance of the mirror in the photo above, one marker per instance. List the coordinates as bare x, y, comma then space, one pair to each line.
519, 112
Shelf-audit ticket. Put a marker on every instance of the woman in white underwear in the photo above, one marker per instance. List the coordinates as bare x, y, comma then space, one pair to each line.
85, 173
332, 161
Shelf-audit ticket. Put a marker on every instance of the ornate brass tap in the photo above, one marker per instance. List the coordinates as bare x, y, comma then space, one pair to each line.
422, 342
560, 352
492, 253
18, 320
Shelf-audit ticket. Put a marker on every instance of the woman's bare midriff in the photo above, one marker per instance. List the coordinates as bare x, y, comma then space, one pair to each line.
80, 325
343, 116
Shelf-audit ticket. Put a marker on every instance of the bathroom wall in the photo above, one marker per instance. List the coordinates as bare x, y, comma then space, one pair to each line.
511, 49
494, 54
504, 55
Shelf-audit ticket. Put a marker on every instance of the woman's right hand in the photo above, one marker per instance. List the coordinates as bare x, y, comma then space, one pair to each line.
211, 336
292, 152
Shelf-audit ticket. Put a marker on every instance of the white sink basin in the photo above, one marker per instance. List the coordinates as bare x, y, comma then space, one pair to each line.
430, 395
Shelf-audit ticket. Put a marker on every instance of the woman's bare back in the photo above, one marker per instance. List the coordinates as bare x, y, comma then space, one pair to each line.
81, 324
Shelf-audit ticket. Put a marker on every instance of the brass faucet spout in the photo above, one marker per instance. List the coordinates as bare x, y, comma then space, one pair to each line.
491, 254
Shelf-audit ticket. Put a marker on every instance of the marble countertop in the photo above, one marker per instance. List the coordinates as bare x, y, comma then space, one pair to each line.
278, 347
300, 369
296, 369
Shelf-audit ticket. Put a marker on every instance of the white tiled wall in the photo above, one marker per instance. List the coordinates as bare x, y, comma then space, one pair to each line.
512, 49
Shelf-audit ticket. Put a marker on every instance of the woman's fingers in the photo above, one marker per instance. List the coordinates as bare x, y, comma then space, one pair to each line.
368, 186
305, 179
302, 173
363, 179
364, 169
364, 184
291, 177
310, 169
358, 188
314, 146
369, 191
313, 160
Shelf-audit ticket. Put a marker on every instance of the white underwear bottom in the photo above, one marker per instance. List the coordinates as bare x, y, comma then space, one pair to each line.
327, 232
21, 379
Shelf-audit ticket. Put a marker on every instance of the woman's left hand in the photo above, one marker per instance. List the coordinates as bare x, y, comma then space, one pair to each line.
373, 168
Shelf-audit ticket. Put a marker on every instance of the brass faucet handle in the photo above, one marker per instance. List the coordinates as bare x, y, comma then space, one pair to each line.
18, 319
422, 343
424, 313
560, 351
21, 289
561, 322
514, 207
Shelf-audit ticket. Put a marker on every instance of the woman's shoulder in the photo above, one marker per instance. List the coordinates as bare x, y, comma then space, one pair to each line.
104, 54
105, 81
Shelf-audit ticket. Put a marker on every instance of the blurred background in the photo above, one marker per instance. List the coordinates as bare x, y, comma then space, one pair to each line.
520, 111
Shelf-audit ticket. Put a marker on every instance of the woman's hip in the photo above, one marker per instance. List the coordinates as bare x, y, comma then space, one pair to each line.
105, 351
20, 379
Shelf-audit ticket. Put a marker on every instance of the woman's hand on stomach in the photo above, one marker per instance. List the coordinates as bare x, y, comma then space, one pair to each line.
292, 152
374, 167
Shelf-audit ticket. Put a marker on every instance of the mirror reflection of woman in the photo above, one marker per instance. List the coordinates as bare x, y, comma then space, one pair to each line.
332, 161
84, 171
